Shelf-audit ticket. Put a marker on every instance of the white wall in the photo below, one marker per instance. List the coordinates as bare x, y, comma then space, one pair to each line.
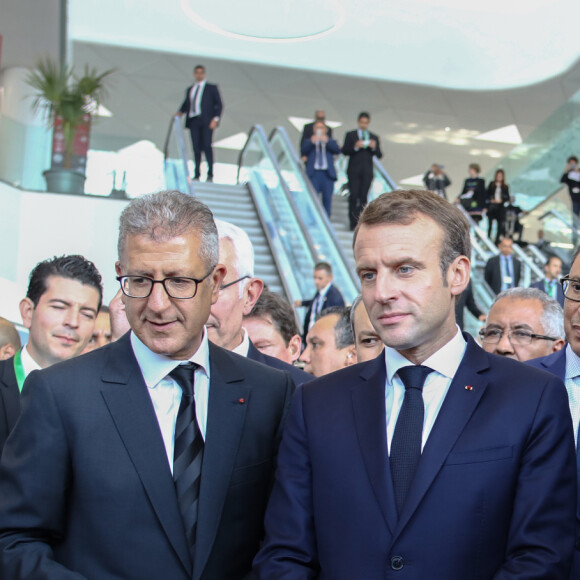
35, 226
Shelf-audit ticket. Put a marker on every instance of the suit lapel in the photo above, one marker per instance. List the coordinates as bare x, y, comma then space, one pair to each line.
229, 396
457, 408
10, 393
128, 401
368, 400
556, 363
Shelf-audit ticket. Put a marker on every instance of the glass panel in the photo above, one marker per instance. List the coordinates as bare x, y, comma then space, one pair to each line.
534, 168
176, 166
382, 182
291, 248
313, 217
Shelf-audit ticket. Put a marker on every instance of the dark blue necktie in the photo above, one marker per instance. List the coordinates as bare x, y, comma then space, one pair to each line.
187, 452
407, 438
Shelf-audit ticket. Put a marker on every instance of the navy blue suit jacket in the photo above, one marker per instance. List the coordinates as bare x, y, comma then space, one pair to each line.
559, 292
85, 483
9, 399
298, 375
211, 104
555, 363
493, 496
308, 149
332, 298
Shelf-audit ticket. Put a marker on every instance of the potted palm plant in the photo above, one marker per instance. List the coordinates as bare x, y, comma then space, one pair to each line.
69, 101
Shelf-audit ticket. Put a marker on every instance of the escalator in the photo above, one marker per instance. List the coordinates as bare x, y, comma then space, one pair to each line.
288, 235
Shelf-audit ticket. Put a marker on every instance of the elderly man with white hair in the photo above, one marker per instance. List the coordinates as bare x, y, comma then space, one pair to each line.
238, 294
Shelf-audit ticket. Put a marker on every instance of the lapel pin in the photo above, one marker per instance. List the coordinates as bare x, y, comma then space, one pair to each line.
468, 388
241, 401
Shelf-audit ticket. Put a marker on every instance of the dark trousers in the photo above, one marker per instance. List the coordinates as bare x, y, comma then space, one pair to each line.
359, 183
323, 185
575, 197
495, 212
201, 136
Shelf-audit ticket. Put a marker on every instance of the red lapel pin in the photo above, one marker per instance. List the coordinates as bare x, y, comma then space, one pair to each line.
241, 401
468, 388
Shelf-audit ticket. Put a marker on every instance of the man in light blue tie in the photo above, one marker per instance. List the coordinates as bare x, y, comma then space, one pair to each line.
503, 271
319, 151
566, 364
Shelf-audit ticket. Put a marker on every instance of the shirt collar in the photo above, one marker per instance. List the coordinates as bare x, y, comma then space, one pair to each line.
155, 367
243, 348
325, 289
28, 363
445, 361
572, 363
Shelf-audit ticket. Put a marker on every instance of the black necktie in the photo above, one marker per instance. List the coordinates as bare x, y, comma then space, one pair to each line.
406, 443
187, 452
193, 112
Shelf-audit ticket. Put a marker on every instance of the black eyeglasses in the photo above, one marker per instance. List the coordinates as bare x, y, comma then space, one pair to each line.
234, 282
520, 337
571, 288
176, 286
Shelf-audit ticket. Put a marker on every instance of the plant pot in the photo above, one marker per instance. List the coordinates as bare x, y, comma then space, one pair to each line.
64, 181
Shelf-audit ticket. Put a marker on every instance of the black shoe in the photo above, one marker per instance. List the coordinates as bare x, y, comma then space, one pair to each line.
209, 179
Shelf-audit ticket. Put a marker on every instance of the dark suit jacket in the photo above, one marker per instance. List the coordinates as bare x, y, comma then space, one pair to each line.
9, 399
308, 149
298, 375
559, 293
555, 363
492, 273
211, 104
85, 483
490, 193
332, 298
308, 131
493, 495
361, 160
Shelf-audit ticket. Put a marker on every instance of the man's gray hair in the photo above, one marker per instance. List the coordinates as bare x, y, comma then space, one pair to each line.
353, 307
553, 317
169, 214
343, 334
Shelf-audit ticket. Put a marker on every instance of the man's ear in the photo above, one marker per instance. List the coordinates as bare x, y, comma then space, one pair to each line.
26, 311
217, 279
7, 351
350, 358
458, 275
295, 347
252, 292
558, 344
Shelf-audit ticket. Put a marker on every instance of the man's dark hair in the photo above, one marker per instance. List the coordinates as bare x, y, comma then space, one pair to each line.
199, 66
74, 267
279, 310
343, 335
404, 206
364, 115
323, 266
573, 158
476, 167
552, 257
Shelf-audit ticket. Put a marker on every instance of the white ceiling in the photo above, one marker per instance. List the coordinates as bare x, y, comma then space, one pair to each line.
417, 124
474, 45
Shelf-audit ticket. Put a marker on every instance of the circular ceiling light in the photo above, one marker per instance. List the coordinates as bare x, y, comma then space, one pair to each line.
274, 21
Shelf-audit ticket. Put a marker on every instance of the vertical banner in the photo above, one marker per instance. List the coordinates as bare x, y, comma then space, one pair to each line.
77, 159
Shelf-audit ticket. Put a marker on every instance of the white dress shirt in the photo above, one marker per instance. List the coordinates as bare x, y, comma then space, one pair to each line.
444, 363
195, 107
243, 348
28, 363
165, 393
572, 382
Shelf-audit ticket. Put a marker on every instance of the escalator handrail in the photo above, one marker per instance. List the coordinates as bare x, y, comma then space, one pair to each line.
384, 173
175, 124
329, 229
258, 129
